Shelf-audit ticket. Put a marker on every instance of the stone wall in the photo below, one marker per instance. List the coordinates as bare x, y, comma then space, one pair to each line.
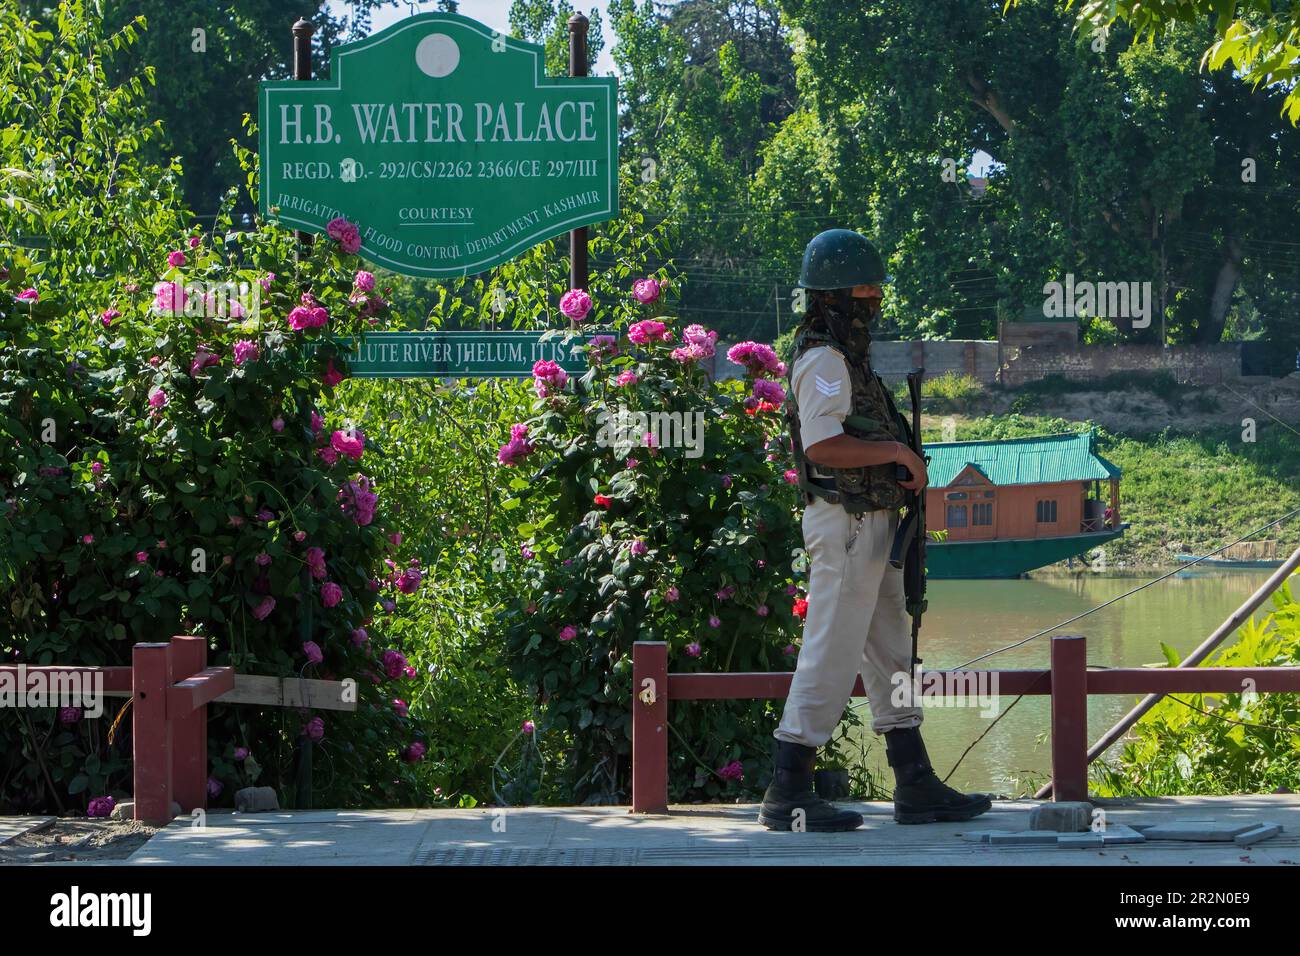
1189, 364
976, 358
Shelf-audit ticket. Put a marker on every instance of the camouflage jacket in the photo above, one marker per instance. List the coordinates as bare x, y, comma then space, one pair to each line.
867, 412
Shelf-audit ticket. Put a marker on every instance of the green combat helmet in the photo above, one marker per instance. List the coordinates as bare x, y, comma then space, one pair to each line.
841, 259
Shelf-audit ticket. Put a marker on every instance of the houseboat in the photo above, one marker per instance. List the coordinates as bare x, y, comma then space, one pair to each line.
1014, 505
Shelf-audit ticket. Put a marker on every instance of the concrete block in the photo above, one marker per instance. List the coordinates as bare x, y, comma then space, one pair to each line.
1081, 841
1024, 838
1198, 832
1117, 833
1065, 817
256, 800
1265, 831
126, 810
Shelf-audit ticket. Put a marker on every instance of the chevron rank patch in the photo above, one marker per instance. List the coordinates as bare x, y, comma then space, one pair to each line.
828, 388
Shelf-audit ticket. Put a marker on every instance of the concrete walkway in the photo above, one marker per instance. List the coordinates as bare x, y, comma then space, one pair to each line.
693, 835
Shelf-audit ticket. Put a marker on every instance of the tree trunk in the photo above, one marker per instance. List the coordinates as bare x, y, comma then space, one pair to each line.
1225, 283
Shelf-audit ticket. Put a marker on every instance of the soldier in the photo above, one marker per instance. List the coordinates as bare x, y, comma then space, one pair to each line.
848, 440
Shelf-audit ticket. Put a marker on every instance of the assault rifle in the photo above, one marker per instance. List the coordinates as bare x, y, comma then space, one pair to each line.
908, 549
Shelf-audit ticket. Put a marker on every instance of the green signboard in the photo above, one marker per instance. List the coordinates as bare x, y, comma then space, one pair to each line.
445, 142
463, 354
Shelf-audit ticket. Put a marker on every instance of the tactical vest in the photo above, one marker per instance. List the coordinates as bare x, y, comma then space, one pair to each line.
873, 417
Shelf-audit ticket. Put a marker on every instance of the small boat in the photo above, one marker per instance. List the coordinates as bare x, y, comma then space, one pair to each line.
1014, 505
1242, 556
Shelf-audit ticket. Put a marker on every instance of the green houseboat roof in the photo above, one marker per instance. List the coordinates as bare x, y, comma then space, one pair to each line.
1021, 461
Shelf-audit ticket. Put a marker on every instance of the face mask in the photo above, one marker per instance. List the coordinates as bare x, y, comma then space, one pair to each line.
849, 320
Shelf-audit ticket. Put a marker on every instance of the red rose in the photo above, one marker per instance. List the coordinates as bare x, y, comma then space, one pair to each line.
800, 609
603, 501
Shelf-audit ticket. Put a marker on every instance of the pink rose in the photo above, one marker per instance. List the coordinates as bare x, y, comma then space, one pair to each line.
647, 331
345, 234
548, 378
246, 351
264, 608
365, 281
202, 359
331, 376
517, 448
176, 258
645, 290
568, 632
414, 752
314, 728
330, 594
349, 444
575, 304
313, 652
169, 298
316, 563
28, 295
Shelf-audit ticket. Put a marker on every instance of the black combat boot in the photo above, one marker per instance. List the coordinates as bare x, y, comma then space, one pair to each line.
791, 790
919, 795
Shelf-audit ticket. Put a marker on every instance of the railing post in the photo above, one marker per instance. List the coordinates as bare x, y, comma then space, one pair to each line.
649, 727
1069, 718
151, 666
189, 730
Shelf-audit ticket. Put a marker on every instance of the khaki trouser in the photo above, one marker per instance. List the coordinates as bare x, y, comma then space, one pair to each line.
857, 622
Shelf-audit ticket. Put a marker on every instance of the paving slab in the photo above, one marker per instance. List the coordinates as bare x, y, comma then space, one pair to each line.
1213, 832
1080, 841
11, 827
1119, 833
1259, 834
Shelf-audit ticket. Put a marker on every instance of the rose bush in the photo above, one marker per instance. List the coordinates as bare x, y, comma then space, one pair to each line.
186, 470
632, 537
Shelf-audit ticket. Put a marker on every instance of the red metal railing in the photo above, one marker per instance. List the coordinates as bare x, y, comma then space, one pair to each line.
1068, 682
171, 686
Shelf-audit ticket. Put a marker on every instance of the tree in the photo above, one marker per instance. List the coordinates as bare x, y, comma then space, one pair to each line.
1262, 42
1116, 161
208, 59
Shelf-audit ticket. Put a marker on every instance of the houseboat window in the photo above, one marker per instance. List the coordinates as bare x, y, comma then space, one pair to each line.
981, 513
988, 494
1046, 512
956, 516
956, 496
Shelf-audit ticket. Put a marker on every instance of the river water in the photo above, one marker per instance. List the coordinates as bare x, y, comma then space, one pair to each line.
969, 618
